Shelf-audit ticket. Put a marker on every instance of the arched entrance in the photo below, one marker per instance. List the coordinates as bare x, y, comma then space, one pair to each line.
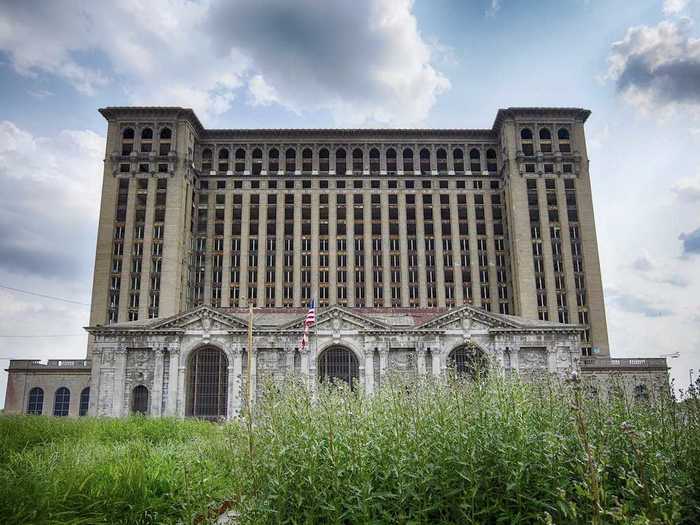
207, 383
338, 363
139, 400
468, 360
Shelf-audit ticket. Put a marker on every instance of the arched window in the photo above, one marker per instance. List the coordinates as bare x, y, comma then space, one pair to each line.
36, 401
475, 160
458, 159
290, 157
425, 161
207, 383
441, 155
407, 160
545, 141
146, 140
641, 393
139, 400
374, 165
239, 166
564, 140
307, 157
166, 136
61, 402
223, 159
468, 360
206, 160
273, 161
341, 164
324, 157
338, 363
391, 161
84, 401
127, 141
257, 161
358, 159
526, 141
491, 162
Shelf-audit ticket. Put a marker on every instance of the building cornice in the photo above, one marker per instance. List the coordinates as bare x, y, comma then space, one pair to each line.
360, 134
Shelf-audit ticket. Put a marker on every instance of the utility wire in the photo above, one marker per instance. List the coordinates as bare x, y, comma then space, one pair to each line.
53, 335
43, 295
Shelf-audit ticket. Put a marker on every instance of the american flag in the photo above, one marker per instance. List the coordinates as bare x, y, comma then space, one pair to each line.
309, 321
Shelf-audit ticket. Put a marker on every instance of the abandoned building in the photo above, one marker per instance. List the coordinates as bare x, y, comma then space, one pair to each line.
422, 248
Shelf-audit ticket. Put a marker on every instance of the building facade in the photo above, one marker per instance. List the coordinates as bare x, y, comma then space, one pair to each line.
392, 232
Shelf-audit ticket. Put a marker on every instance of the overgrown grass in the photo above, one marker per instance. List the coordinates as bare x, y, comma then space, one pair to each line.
497, 451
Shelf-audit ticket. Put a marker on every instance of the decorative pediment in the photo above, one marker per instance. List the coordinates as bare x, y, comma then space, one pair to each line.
467, 319
203, 318
338, 319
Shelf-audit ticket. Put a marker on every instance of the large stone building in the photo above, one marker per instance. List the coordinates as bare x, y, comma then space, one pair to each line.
423, 248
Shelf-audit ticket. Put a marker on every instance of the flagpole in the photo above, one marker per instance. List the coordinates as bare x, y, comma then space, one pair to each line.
250, 359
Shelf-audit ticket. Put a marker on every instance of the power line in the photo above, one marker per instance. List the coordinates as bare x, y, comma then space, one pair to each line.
43, 295
52, 335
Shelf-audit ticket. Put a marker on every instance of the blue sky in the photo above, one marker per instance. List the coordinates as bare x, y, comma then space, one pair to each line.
271, 63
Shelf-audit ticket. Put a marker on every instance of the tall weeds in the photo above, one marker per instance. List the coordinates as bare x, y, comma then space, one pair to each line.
421, 451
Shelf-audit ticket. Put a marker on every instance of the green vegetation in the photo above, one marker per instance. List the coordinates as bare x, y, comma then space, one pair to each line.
496, 451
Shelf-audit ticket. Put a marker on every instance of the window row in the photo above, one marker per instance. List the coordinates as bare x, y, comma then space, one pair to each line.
146, 141
345, 161
545, 141
61, 402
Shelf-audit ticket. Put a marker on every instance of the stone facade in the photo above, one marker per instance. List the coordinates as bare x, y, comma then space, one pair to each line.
423, 248
382, 341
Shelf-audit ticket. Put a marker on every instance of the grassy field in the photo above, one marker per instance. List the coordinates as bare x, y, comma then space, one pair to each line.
498, 451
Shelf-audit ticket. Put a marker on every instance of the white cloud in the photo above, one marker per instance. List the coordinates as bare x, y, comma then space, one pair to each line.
658, 68
673, 7
363, 61
688, 188
263, 94
48, 214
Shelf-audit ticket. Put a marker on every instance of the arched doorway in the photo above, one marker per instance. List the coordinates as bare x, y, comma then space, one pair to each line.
207, 383
468, 360
139, 400
338, 363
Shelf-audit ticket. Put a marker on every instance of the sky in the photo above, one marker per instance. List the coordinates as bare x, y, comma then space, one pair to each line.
366, 63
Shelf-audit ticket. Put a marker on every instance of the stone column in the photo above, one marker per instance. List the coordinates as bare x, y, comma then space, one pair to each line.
297, 250
383, 362
127, 247
174, 364
146, 254
235, 370
369, 268
245, 226
566, 252
547, 258
386, 268
226, 266
279, 251
491, 252
420, 251
551, 359
119, 409
95, 364
439, 259
157, 393
515, 359
369, 370
262, 250
436, 354
456, 250
314, 243
403, 247
332, 249
473, 249
181, 394
304, 355
420, 359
